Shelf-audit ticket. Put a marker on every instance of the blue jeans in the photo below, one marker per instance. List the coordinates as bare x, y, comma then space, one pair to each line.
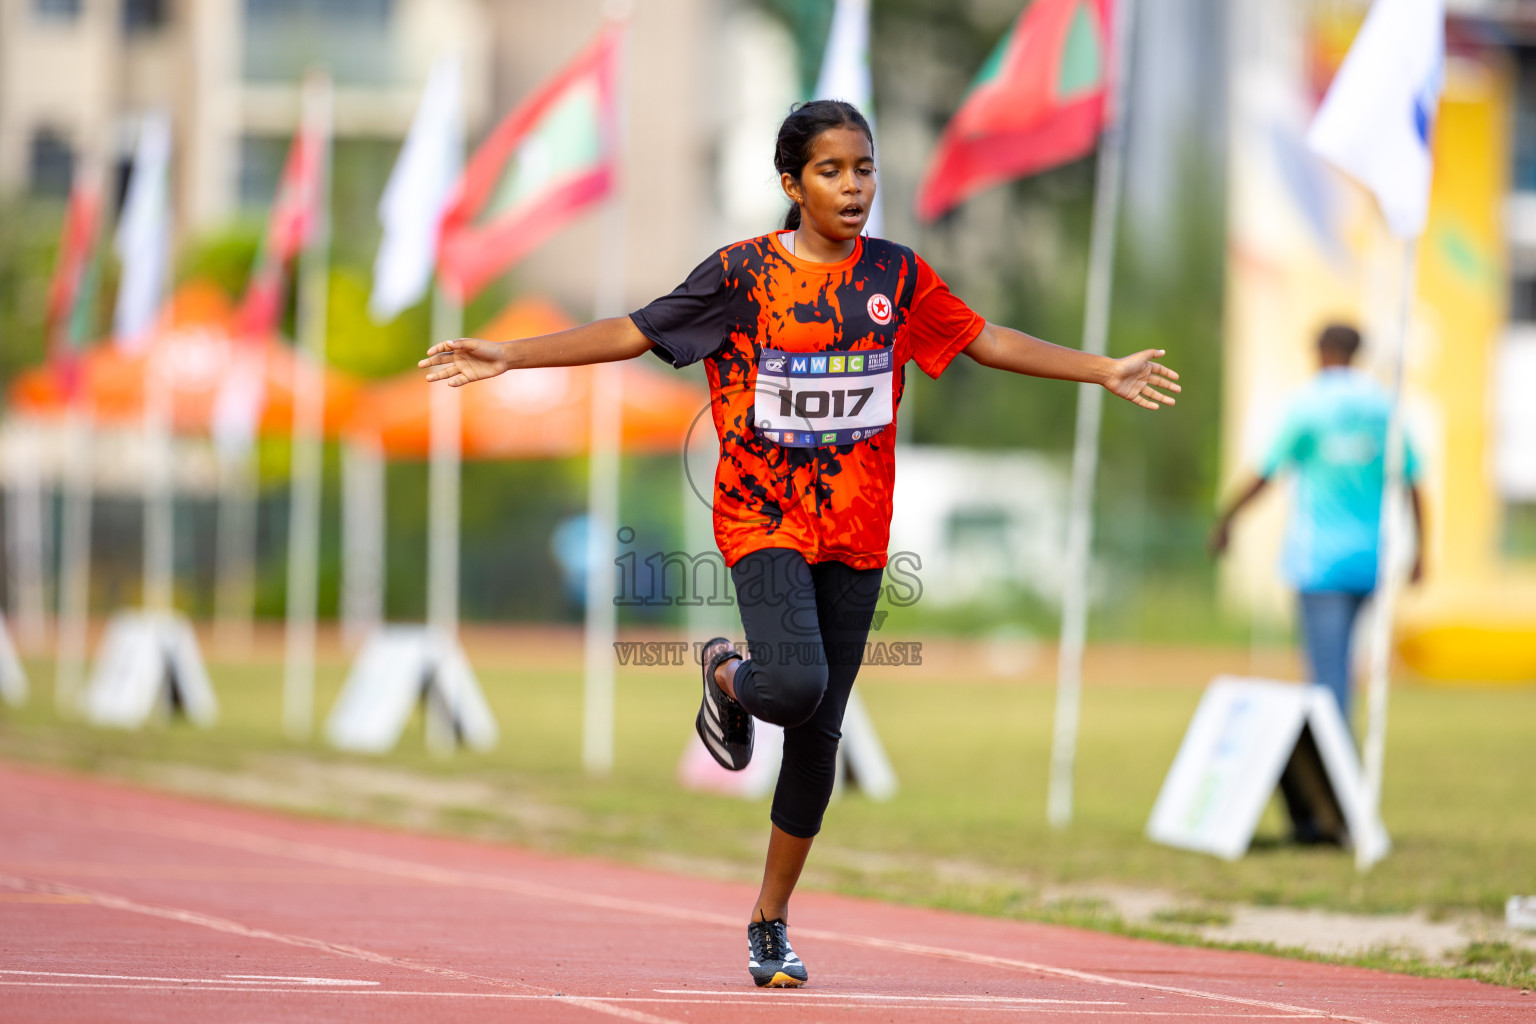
1327, 624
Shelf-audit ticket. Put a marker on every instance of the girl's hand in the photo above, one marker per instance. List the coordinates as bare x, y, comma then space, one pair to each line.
1136, 378
463, 360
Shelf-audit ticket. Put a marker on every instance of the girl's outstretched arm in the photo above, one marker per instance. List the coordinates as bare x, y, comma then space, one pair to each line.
1134, 378
602, 341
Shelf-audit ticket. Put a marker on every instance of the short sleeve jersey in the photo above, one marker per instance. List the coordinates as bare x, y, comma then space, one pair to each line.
1334, 439
828, 502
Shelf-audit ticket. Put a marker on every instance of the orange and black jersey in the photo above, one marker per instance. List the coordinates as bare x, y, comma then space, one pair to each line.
828, 501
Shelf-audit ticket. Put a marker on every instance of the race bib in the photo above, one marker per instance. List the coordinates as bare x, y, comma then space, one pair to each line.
807, 399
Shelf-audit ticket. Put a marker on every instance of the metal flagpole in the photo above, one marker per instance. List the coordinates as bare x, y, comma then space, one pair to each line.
444, 476
235, 595
75, 556
24, 536
362, 553
445, 480
1090, 405
602, 616
1387, 558
77, 479
603, 475
308, 422
159, 510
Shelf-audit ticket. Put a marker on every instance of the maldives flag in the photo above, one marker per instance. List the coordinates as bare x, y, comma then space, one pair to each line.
547, 161
72, 290
294, 214
1037, 102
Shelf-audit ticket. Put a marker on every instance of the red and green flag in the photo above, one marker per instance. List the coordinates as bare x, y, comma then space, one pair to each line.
295, 212
1037, 102
72, 292
551, 158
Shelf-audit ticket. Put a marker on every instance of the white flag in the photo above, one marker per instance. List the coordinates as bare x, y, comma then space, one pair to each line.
1376, 120
845, 76
412, 206
143, 241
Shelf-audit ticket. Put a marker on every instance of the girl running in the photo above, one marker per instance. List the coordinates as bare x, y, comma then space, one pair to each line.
805, 334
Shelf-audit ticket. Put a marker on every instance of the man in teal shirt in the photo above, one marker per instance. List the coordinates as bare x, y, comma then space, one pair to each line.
1334, 439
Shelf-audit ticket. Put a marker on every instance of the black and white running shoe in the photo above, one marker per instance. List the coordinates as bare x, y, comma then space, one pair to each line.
723, 724
769, 957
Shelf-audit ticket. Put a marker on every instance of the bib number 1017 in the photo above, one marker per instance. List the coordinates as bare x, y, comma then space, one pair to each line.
813, 405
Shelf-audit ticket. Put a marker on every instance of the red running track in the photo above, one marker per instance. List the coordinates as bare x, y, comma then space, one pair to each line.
125, 905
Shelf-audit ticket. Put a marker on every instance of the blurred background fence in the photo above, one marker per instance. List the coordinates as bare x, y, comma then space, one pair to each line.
709, 81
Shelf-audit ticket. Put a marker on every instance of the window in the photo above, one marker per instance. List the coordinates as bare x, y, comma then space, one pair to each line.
1522, 298
261, 164
143, 15
56, 10
51, 168
1519, 540
1525, 119
354, 11
351, 39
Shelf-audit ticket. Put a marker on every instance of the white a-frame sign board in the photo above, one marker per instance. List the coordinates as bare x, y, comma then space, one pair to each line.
149, 662
1248, 737
13, 680
398, 668
860, 759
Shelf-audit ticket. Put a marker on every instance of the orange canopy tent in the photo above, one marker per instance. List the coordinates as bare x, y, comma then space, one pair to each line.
200, 354
538, 413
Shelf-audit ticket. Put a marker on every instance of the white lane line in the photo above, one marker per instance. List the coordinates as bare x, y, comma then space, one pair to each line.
298, 979
886, 997
610, 1003
983, 959
220, 924
228, 979
254, 842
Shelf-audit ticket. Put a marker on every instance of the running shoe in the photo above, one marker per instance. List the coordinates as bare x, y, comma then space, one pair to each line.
770, 958
723, 724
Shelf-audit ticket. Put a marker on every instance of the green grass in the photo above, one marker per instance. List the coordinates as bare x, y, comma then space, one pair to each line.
1192, 915
967, 830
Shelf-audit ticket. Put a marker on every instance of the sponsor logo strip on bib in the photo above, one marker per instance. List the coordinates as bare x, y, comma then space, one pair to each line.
806, 399
814, 439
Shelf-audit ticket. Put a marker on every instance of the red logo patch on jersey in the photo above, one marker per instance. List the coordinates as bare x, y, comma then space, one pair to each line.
879, 309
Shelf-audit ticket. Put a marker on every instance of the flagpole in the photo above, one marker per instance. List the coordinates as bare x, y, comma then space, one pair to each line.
159, 509
1396, 63
411, 213
602, 524
234, 599
445, 475
362, 545
24, 536
75, 556
308, 423
75, 530
1090, 405
1386, 567
607, 397
143, 246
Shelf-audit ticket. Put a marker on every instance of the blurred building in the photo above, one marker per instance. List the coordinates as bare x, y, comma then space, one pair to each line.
76, 76
1306, 246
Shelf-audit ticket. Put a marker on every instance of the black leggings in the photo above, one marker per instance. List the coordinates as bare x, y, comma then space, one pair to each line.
806, 628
